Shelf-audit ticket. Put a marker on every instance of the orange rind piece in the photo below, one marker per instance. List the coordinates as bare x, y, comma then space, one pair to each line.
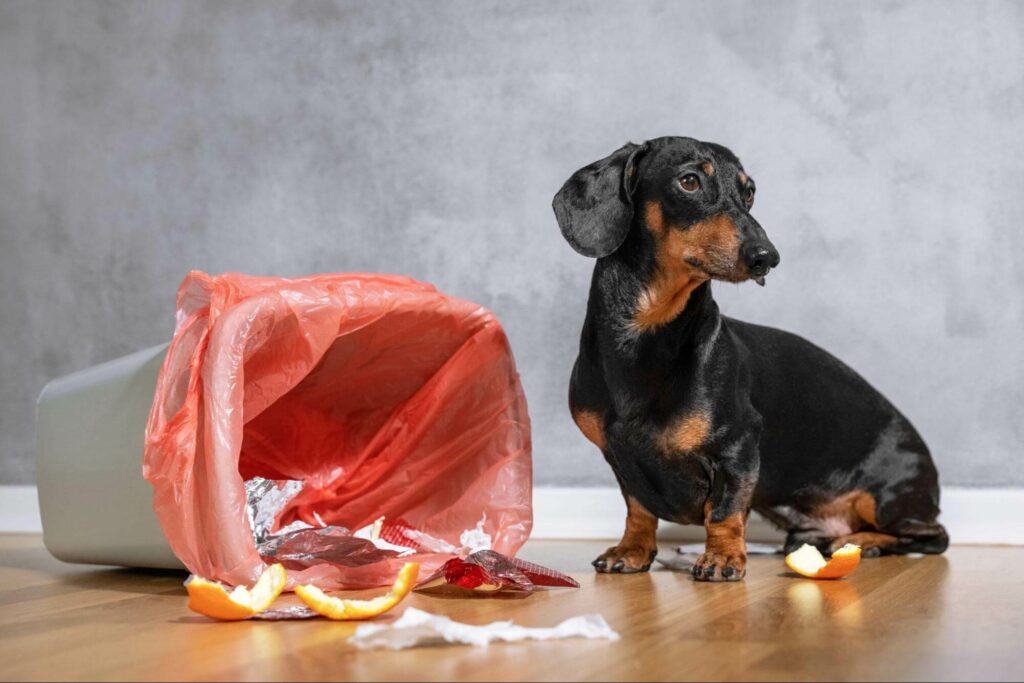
346, 610
808, 561
211, 599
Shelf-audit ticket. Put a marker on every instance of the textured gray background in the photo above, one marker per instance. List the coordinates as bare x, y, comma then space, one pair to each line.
140, 140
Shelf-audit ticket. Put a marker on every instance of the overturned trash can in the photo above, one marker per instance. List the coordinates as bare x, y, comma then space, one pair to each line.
95, 506
364, 396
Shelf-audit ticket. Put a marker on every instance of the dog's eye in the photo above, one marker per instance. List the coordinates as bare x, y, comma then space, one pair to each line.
690, 182
748, 196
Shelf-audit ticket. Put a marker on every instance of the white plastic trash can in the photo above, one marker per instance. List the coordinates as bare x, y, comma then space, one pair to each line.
96, 508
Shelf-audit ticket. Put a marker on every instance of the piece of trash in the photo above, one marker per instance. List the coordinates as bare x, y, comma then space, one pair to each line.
265, 499
681, 563
401, 533
287, 613
417, 628
487, 572
470, 541
211, 599
300, 545
808, 561
475, 539
685, 555
372, 533
345, 610
752, 549
332, 545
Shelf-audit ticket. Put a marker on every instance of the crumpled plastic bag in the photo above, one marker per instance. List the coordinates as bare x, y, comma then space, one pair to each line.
382, 395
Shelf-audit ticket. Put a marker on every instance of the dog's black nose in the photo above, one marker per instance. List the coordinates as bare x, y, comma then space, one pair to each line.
760, 259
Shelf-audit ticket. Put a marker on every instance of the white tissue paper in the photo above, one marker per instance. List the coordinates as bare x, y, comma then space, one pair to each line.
418, 628
474, 540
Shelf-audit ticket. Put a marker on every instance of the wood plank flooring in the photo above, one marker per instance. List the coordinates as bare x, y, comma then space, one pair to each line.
959, 616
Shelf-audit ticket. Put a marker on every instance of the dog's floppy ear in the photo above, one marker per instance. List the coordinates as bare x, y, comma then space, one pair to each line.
595, 206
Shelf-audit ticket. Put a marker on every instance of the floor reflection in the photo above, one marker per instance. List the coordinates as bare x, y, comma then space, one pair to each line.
811, 599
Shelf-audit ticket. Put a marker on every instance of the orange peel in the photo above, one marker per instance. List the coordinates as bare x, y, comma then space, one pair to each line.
211, 599
345, 610
808, 561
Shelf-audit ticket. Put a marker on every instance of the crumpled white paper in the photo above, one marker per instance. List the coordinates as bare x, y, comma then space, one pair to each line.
477, 539
418, 628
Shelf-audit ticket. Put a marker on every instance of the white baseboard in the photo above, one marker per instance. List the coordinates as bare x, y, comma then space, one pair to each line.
985, 515
971, 516
600, 513
19, 510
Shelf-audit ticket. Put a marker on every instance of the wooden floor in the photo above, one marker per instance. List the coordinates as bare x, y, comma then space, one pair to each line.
953, 617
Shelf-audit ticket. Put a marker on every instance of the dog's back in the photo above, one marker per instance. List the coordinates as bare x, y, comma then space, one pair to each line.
829, 433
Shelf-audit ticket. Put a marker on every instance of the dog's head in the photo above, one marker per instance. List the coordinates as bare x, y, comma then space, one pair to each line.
692, 198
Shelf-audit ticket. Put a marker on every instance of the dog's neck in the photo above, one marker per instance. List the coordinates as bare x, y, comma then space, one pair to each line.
652, 309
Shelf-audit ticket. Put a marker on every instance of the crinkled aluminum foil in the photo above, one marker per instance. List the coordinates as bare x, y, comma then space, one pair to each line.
266, 498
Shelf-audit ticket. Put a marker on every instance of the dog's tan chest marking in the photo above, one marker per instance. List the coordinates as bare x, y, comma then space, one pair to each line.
592, 425
687, 433
663, 301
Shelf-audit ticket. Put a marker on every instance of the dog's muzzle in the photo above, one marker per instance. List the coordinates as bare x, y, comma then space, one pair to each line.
759, 258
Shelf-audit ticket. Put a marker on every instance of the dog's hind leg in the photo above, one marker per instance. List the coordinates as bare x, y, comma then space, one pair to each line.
899, 528
927, 538
911, 518
913, 537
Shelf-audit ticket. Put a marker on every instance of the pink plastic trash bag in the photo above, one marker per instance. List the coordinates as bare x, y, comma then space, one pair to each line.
382, 395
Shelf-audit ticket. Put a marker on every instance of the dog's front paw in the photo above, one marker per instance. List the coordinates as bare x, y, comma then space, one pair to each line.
712, 566
625, 559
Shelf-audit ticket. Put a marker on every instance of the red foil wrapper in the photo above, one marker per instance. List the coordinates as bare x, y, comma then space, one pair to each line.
487, 572
328, 545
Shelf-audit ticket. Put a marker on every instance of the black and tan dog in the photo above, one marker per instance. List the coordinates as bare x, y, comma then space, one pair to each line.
704, 418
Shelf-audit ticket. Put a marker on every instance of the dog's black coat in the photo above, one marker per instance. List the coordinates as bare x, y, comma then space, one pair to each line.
777, 424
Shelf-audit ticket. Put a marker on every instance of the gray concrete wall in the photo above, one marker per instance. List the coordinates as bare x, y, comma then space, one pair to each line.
143, 139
